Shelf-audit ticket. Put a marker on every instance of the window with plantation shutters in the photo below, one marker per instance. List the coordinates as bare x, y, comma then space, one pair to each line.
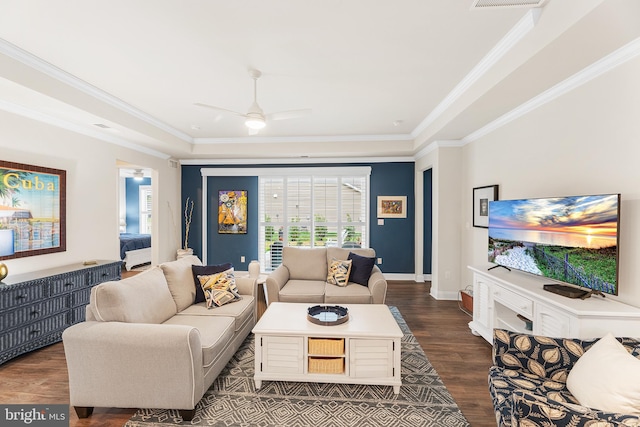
145, 209
312, 207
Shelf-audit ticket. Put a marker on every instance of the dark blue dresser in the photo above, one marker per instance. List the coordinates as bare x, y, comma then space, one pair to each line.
36, 307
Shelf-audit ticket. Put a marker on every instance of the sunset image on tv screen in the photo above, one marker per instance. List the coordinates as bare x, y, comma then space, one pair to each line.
570, 239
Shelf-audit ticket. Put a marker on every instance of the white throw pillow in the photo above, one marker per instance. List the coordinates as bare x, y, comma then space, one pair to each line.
607, 377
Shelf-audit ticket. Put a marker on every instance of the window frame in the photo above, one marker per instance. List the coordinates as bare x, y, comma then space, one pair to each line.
314, 175
312, 171
144, 223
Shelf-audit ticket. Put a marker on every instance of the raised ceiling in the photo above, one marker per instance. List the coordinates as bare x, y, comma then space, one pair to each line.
383, 79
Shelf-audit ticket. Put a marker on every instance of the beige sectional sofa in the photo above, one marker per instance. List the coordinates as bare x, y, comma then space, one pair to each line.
145, 343
302, 277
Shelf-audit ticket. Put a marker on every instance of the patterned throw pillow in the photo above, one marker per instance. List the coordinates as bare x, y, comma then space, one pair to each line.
205, 270
219, 288
339, 272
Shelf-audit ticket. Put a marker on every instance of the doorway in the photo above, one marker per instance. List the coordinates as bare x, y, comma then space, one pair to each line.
135, 215
427, 209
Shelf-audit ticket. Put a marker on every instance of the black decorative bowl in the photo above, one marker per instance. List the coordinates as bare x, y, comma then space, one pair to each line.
327, 315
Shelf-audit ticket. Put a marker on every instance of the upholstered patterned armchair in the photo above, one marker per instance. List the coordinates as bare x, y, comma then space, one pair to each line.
527, 381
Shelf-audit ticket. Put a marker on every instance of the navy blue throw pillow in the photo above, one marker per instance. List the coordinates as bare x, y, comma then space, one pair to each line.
205, 270
361, 267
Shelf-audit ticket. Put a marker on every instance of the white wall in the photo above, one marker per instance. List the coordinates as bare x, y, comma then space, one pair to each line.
446, 218
92, 190
585, 142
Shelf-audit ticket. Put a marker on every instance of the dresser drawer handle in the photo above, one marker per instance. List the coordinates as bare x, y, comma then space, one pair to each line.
35, 312
19, 297
68, 284
105, 274
35, 331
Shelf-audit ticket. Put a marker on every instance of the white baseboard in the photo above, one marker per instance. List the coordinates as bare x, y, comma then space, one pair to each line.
423, 277
446, 295
407, 277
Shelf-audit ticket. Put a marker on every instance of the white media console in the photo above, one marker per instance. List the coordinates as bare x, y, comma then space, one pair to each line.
516, 301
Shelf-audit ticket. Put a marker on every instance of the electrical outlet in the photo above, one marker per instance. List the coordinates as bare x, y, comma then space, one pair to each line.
379, 260
242, 259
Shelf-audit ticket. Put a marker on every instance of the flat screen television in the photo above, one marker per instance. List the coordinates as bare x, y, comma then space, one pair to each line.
572, 240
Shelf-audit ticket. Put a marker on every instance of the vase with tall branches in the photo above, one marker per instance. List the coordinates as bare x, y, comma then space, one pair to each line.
188, 214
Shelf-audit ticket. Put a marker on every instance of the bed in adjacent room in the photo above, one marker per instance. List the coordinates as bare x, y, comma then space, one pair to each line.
135, 249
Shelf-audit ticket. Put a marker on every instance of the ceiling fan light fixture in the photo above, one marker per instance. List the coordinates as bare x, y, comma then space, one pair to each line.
255, 119
138, 175
256, 123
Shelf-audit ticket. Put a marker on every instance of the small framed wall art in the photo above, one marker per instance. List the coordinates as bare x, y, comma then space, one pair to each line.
392, 206
481, 198
232, 211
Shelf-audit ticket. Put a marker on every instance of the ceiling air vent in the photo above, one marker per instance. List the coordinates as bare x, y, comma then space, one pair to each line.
487, 4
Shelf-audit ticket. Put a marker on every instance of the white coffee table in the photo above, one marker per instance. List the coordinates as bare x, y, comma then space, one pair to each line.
364, 350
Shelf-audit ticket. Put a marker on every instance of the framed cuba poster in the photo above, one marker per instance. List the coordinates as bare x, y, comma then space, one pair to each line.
32, 210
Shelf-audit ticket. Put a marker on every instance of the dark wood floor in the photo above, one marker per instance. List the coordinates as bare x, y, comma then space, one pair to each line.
461, 359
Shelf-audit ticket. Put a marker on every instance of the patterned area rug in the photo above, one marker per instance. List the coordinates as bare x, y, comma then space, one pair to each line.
233, 400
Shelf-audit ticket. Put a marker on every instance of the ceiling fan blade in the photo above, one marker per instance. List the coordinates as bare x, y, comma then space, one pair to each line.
292, 114
219, 109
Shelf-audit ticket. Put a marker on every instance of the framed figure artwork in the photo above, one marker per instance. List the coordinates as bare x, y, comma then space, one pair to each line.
481, 198
392, 206
232, 211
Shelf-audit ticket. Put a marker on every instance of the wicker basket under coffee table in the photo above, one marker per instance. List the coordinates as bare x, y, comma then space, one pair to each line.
364, 350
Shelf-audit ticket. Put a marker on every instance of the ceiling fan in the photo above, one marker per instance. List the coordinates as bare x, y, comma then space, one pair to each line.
255, 119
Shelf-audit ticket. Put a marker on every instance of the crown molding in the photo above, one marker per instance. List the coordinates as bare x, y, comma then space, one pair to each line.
301, 139
603, 65
317, 171
52, 71
444, 143
522, 27
295, 161
80, 129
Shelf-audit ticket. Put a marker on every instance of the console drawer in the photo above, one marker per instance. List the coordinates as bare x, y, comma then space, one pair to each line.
66, 283
80, 297
518, 303
34, 330
21, 294
31, 313
104, 273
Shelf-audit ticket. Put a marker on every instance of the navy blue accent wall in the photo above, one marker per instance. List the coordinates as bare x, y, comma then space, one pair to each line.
394, 242
427, 220
192, 189
132, 211
223, 248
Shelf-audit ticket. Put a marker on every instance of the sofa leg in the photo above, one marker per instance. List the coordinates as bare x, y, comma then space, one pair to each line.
83, 411
187, 414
